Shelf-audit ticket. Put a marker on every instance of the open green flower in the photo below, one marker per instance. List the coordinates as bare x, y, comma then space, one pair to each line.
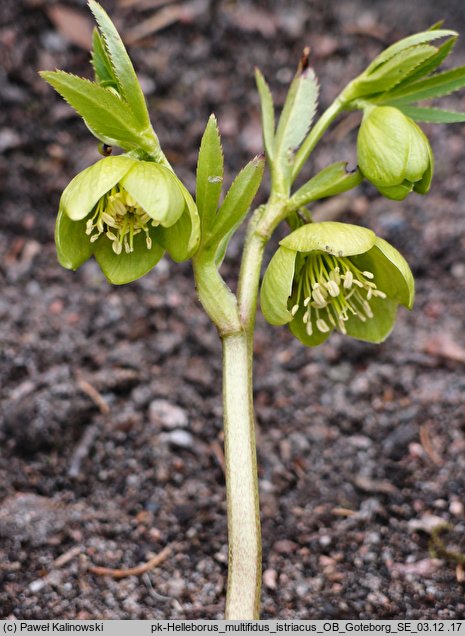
394, 153
121, 210
336, 276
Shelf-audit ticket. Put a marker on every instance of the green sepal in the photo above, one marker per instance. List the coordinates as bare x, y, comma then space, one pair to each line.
432, 115
396, 69
237, 200
391, 271
268, 116
210, 173
182, 239
296, 119
72, 244
128, 83
107, 116
298, 329
406, 43
332, 180
87, 187
103, 69
156, 189
375, 329
125, 268
339, 239
277, 287
437, 85
396, 192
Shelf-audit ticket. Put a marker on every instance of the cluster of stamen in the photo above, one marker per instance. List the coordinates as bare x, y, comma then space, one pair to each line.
331, 289
120, 218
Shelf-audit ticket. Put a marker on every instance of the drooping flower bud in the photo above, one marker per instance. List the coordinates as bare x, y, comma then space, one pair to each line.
335, 276
394, 153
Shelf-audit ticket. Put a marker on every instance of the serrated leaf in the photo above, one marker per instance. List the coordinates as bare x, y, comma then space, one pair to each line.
332, 180
431, 64
267, 109
296, 117
105, 114
437, 85
412, 40
396, 69
238, 199
210, 172
432, 115
122, 65
103, 69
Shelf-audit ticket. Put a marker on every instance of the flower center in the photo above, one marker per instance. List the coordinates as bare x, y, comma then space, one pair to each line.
330, 289
120, 218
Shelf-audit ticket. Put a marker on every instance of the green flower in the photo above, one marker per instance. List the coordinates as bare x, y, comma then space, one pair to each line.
394, 153
124, 211
335, 276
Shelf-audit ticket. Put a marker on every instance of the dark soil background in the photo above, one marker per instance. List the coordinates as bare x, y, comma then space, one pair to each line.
110, 424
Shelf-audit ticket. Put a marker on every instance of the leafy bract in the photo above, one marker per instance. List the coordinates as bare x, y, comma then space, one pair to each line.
210, 172
267, 109
332, 180
123, 69
432, 115
237, 200
104, 73
107, 116
296, 118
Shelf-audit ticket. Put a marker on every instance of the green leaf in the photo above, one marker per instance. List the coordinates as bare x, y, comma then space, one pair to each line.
267, 108
396, 69
125, 268
432, 115
406, 43
182, 239
107, 116
210, 173
157, 190
277, 287
437, 85
238, 199
122, 65
296, 117
431, 64
330, 181
339, 239
87, 187
73, 245
103, 69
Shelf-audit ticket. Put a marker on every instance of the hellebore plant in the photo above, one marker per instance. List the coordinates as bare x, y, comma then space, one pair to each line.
128, 210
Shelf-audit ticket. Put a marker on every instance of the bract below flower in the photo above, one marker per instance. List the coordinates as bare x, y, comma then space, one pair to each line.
119, 210
394, 153
335, 276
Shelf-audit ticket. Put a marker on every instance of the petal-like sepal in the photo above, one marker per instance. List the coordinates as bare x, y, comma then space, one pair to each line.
377, 328
339, 239
73, 245
126, 267
85, 190
156, 189
277, 287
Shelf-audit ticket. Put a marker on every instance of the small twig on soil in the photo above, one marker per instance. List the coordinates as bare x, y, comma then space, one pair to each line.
82, 450
68, 556
94, 395
425, 439
217, 451
117, 573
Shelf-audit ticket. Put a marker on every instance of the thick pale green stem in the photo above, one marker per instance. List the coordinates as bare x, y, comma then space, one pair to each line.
244, 578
